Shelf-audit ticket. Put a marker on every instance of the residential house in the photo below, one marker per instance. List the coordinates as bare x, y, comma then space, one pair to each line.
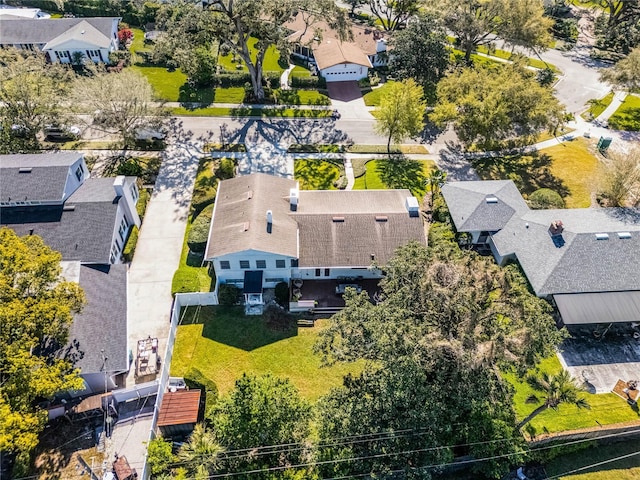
587, 260
62, 39
18, 12
88, 220
338, 60
265, 230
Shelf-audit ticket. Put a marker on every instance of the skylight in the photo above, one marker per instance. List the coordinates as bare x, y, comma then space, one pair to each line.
624, 235
602, 236
492, 199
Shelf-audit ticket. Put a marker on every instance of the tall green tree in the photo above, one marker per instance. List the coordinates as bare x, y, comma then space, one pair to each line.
237, 22
31, 95
620, 180
420, 52
393, 14
258, 412
36, 311
556, 390
489, 106
625, 74
401, 112
201, 454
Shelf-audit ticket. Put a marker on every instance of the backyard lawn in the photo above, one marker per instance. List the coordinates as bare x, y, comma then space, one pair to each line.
571, 169
627, 116
224, 344
270, 63
318, 174
624, 469
606, 408
402, 173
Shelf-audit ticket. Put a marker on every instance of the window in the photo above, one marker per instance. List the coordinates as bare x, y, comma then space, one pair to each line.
294, 262
327, 272
244, 263
134, 192
280, 264
261, 264
79, 172
225, 265
317, 272
275, 280
123, 229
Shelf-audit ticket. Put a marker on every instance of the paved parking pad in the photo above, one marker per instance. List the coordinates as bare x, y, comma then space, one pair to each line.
601, 363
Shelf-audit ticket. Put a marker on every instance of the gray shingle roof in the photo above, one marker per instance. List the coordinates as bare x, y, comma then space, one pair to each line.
82, 32
353, 239
102, 324
80, 233
239, 221
45, 182
470, 211
41, 31
352, 201
579, 263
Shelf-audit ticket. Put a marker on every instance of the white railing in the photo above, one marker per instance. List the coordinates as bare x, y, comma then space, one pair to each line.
180, 300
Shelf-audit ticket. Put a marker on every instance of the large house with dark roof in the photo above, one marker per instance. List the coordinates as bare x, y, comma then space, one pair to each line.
59, 39
88, 221
587, 260
265, 230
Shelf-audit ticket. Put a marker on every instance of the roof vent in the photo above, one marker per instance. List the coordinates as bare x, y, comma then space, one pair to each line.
245, 226
269, 216
381, 218
602, 236
294, 197
491, 199
69, 208
556, 228
25, 170
249, 194
338, 219
624, 235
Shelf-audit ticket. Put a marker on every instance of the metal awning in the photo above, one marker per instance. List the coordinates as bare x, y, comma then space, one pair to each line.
252, 282
601, 307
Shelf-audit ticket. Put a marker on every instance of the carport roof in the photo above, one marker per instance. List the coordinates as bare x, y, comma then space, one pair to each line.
601, 307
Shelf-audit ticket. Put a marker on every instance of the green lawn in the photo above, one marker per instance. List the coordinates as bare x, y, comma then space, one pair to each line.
249, 112
224, 344
401, 173
300, 72
606, 408
137, 45
597, 106
571, 169
270, 63
627, 116
229, 95
372, 99
318, 174
506, 55
624, 469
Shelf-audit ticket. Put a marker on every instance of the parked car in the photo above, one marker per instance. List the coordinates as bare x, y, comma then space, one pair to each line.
58, 133
150, 134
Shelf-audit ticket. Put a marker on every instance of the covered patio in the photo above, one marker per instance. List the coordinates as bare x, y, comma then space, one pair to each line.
323, 292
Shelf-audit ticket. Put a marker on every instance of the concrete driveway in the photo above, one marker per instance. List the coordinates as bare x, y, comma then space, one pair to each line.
346, 98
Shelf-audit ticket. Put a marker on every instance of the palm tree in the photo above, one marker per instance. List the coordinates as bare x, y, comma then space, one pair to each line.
556, 390
202, 451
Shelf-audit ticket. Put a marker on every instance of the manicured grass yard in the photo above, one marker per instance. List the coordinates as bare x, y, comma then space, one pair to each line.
571, 169
165, 84
598, 106
625, 469
627, 116
401, 173
270, 60
318, 174
229, 95
606, 408
372, 99
299, 71
225, 344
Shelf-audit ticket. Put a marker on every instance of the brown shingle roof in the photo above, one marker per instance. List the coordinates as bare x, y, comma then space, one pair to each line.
239, 217
331, 52
179, 408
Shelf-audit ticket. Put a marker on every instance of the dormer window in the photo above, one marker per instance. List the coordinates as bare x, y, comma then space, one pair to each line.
79, 172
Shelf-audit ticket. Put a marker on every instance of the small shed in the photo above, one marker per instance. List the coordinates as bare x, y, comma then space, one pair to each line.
179, 412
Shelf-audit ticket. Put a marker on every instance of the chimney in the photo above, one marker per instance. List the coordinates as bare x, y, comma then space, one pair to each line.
556, 228
118, 185
294, 196
412, 206
269, 221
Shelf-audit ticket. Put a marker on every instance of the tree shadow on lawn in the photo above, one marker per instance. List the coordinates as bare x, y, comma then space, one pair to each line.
628, 120
529, 172
402, 172
230, 326
189, 95
317, 174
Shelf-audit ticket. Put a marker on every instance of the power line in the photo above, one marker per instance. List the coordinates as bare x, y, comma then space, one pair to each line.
604, 462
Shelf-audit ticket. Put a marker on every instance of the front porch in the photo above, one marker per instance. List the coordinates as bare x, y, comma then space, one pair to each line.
323, 292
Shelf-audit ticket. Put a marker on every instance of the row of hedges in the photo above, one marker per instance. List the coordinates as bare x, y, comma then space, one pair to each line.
199, 233
308, 82
242, 78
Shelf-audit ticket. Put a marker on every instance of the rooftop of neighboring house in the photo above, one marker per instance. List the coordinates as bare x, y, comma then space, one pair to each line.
561, 250
319, 227
81, 229
94, 30
36, 177
327, 47
102, 324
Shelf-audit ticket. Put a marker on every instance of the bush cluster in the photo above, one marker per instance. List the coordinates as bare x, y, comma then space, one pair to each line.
199, 233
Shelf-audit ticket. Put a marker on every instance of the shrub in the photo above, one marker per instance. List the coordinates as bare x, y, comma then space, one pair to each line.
282, 294
199, 233
199, 66
116, 56
184, 281
308, 82
130, 247
228, 294
440, 233
130, 167
195, 379
159, 455
226, 169
545, 198
141, 206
